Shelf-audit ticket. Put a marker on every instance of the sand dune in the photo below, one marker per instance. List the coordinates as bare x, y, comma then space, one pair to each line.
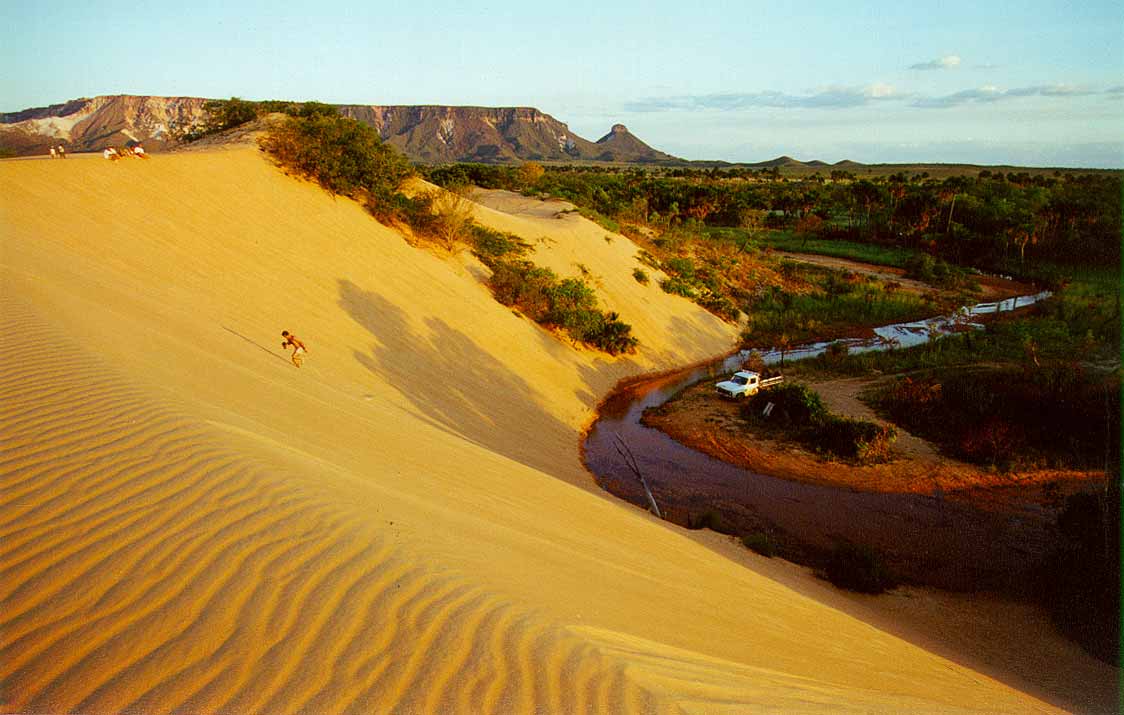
190, 524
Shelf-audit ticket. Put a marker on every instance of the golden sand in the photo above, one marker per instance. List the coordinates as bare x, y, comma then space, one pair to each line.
189, 523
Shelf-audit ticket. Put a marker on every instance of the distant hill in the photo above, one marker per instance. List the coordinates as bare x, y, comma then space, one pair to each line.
621, 145
93, 124
436, 134
425, 133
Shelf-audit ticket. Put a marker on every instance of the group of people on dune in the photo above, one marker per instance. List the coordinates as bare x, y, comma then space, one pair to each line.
58, 152
113, 154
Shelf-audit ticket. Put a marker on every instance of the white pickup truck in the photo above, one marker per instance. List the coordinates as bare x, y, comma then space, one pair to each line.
744, 383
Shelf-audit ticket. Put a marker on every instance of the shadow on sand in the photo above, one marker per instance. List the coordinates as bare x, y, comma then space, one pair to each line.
460, 387
257, 345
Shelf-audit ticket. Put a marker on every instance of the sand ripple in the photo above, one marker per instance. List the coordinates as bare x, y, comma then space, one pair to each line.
147, 567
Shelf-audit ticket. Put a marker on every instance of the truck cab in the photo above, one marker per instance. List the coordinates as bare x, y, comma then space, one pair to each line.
741, 384
744, 383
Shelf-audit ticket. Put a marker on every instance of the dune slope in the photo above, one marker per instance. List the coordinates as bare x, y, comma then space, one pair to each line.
188, 523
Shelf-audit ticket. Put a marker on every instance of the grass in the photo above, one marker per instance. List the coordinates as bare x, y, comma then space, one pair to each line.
1081, 323
787, 241
834, 303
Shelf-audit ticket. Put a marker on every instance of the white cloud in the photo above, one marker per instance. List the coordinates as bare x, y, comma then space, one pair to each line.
831, 97
947, 62
847, 97
990, 93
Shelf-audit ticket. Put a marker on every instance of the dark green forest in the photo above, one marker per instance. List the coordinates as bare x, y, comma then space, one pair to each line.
1014, 222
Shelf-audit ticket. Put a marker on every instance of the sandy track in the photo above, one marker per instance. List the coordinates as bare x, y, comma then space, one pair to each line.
190, 524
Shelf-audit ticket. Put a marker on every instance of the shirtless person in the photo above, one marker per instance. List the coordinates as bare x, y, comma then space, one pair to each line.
298, 347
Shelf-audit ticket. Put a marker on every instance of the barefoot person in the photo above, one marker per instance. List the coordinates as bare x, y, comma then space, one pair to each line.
298, 347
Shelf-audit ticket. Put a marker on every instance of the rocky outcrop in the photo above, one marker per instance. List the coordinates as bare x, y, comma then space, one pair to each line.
621, 145
435, 134
425, 133
93, 124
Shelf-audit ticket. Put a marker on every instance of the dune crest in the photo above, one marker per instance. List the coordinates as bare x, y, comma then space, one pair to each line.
189, 523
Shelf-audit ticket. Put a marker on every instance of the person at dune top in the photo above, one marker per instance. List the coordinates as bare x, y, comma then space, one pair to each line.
298, 347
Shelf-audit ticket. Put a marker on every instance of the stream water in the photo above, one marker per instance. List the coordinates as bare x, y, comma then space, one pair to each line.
925, 538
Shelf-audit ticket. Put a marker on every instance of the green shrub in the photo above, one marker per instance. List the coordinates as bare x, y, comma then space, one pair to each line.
682, 267
856, 439
523, 285
229, 113
1079, 580
489, 245
857, 568
718, 304
678, 286
794, 404
344, 155
760, 542
612, 335
800, 408
709, 519
920, 267
569, 304
640, 275
1011, 416
836, 350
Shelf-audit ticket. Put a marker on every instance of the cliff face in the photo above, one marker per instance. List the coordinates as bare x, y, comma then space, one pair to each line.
425, 133
491, 134
93, 124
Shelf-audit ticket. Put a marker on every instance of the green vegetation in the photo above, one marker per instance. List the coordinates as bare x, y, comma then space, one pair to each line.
1037, 388
935, 271
712, 520
348, 157
865, 252
832, 304
857, 568
1081, 324
760, 542
1012, 416
640, 275
345, 156
799, 412
706, 228
999, 221
1080, 579
568, 304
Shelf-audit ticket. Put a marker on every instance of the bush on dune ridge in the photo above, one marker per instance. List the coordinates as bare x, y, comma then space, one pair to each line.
344, 155
569, 304
349, 158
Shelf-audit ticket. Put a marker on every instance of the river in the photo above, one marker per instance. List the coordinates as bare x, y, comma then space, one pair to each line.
923, 538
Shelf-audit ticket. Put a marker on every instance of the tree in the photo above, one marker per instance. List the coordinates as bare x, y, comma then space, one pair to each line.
529, 173
229, 113
810, 225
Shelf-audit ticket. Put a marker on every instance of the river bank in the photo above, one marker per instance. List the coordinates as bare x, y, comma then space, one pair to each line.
701, 420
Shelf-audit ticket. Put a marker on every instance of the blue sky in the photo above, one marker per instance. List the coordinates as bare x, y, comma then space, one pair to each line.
1035, 83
